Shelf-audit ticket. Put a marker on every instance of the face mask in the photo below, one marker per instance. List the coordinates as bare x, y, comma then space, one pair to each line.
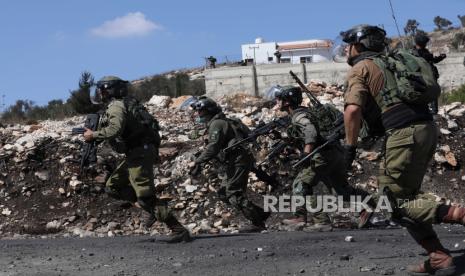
200, 120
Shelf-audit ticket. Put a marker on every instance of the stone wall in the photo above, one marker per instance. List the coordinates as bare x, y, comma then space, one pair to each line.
256, 80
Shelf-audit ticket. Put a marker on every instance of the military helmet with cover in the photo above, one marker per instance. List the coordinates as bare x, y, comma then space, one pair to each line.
290, 94
109, 87
373, 38
207, 105
421, 39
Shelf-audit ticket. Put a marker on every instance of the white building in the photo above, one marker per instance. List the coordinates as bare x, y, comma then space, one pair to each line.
304, 51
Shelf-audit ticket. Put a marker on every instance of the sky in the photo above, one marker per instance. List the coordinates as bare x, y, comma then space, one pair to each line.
45, 45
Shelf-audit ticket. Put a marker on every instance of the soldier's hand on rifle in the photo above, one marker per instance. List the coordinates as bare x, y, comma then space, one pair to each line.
88, 135
349, 156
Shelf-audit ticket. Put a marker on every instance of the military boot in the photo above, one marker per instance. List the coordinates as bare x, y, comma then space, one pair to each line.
147, 204
364, 219
439, 262
178, 232
297, 219
455, 215
319, 227
253, 228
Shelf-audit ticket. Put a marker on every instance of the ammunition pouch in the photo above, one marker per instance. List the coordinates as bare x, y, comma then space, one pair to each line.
402, 115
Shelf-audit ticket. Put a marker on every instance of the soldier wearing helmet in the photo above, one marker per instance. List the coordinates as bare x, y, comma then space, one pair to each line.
127, 133
236, 164
326, 166
411, 139
420, 50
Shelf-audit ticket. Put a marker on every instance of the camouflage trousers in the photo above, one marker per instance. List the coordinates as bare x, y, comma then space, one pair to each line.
326, 167
408, 153
234, 189
133, 180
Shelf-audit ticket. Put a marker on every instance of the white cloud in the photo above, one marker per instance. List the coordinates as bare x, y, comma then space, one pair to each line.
132, 24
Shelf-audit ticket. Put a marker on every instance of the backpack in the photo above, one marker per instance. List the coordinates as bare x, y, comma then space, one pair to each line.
325, 119
240, 130
149, 125
408, 79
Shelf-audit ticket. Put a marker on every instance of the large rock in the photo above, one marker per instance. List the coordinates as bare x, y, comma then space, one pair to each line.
160, 101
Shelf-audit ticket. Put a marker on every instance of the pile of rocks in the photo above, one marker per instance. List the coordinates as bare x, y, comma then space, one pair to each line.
43, 192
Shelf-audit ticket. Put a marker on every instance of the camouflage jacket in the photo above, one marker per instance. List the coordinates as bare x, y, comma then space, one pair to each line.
220, 135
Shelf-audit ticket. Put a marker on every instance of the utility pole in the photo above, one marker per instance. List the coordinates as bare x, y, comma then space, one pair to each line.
254, 47
3, 104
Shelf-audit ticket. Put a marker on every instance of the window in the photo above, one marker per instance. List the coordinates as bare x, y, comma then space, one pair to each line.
270, 58
285, 60
307, 59
249, 61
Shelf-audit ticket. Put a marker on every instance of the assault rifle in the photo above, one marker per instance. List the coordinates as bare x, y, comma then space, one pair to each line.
261, 130
88, 155
313, 100
276, 149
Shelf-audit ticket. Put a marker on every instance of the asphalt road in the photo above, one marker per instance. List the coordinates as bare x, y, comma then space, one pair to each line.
373, 252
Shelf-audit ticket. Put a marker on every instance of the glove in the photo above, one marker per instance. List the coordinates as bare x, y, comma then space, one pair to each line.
443, 56
195, 170
349, 156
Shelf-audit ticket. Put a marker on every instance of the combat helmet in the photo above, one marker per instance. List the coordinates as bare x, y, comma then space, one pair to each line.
373, 38
421, 39
110, 87
291, 95
206, 105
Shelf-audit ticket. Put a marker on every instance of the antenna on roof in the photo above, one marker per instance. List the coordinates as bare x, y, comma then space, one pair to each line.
395, 21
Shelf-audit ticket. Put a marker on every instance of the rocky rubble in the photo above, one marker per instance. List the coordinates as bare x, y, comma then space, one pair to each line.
42, 191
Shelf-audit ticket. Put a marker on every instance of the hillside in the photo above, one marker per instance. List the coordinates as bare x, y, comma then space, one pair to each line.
42, 192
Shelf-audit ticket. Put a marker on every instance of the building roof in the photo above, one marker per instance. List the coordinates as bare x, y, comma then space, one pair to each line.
304, 44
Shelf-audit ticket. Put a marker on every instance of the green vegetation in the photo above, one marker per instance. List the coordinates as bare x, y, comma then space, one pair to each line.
458, 41
24, 111
456, 95
442, 23
177, 85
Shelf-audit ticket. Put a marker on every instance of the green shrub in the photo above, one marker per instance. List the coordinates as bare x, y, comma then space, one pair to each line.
456, 95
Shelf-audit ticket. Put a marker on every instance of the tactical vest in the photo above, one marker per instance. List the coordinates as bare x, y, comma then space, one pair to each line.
325, 119
145, 128
407, 79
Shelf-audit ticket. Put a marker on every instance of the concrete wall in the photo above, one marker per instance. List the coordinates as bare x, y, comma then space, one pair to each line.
452, 71
256, 80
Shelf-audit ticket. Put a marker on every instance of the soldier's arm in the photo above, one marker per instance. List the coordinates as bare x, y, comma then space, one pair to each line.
355, 98
439, 58
216, 135
116, 122
310, 134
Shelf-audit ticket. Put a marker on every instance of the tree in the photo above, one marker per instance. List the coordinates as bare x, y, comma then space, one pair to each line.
18, 112
458, 41
80, 98
411, 27
441, 23
462, 20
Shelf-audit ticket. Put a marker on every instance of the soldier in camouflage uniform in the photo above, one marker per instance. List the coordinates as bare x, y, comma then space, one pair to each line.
124, 128
420, 50
237, 163
411, 139
327, 165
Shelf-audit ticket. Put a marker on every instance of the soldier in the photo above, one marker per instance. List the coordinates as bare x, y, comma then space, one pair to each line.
326, 166
420, 50
211, 62
410, 144
131, 130
236, 163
